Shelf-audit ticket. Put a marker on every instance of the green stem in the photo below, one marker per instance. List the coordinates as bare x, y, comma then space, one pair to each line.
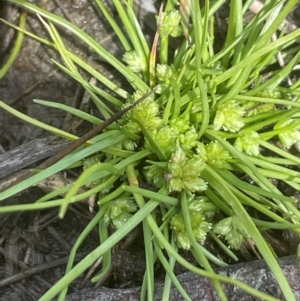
197, 251
17, 47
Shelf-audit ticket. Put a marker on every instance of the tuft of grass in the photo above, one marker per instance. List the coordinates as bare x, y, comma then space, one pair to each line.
213, 120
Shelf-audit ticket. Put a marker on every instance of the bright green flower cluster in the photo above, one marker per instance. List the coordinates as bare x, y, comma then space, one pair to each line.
119, 212
248, 142
156, 174
135, 63
254, 108
199, 225
180, 124
147, 112
183, 168
181, 237
269, 94
165, 139
90, 162
233, 230
288, 137
164, 75
187, 161
188, 140
180, 173
212, 153
216, 154
129, 144
229, 116
203, 205
171, 24
185, 173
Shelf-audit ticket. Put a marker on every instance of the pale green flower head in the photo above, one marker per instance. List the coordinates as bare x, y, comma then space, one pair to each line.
201, 151
185, 173
156, 175
180, 235
204, 206
165, 136
147, 111
253, 108
269, 94
196, 204
180, 124
132, 127
229, 117
199, 226
90, 162
129, 144
288, 137
119, 212
153, 123
179, 157
248, 142
216, 154
188, 139
164, 74
189, 184
233, 230
171, 24
134, 62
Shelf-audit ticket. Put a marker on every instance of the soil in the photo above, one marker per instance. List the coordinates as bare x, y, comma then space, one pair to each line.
34, 246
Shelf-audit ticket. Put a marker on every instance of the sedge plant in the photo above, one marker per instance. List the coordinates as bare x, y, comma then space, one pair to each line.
215, 118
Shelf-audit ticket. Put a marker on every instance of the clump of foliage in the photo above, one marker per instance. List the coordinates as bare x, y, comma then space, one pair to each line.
212, 118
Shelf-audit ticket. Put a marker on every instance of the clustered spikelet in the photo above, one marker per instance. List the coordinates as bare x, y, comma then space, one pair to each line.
200, 227
119, 212
233, 230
